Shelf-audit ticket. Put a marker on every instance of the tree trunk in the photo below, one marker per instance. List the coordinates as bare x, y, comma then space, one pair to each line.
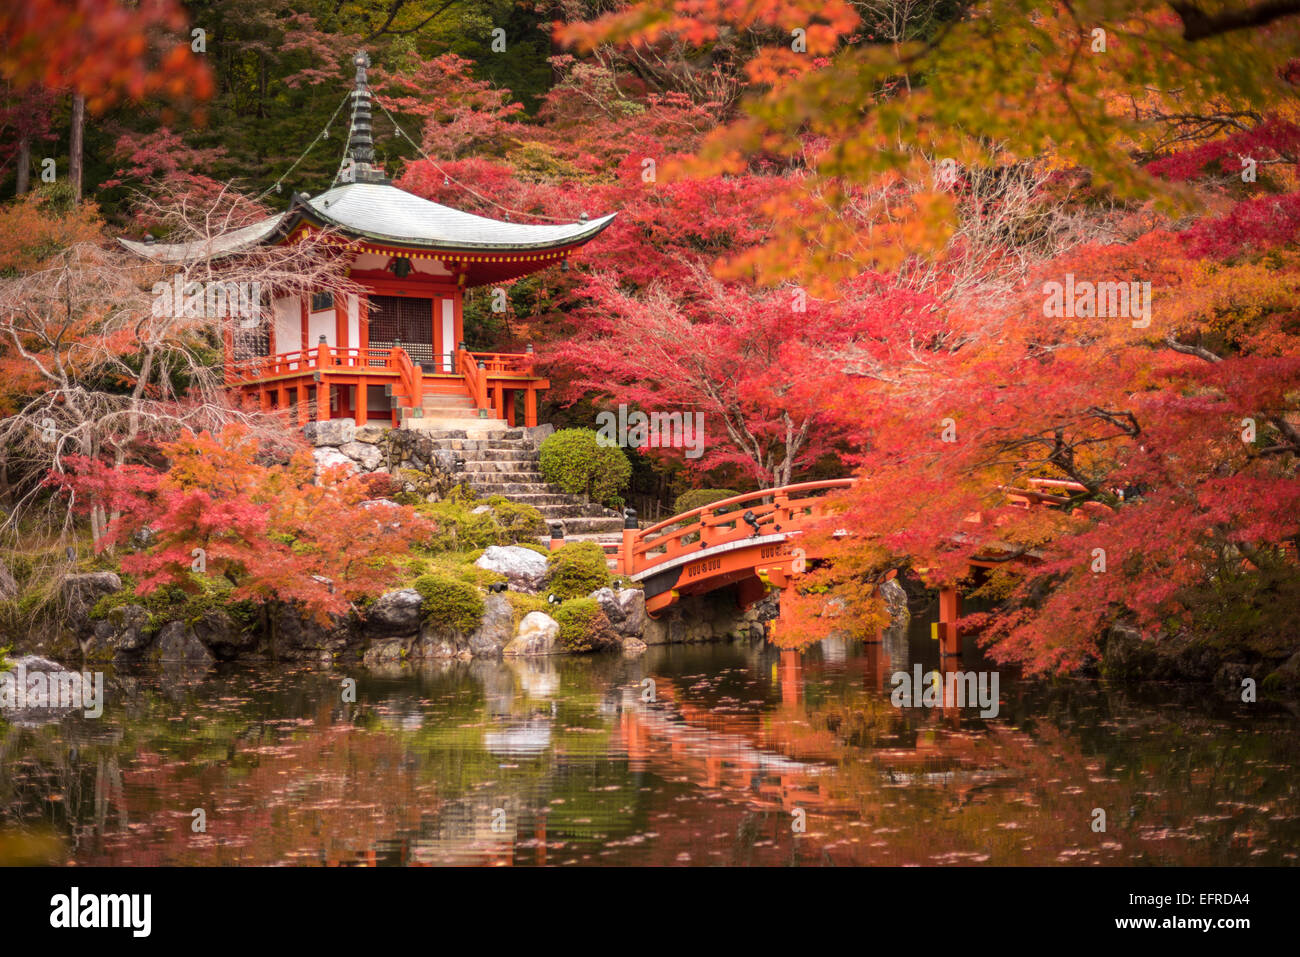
75, 147
24, 164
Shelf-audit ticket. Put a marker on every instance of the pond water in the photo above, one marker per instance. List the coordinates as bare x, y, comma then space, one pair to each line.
735, 754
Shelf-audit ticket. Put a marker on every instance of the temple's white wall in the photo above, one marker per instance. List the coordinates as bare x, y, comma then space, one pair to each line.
354, 322
288, 325
321, 324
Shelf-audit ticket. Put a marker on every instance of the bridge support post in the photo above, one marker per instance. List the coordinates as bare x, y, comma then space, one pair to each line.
949, 612
630, 530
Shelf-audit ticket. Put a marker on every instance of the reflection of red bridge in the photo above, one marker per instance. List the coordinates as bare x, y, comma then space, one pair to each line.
779, 760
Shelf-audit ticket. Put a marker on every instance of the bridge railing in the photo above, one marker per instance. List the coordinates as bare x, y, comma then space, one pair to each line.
787, 509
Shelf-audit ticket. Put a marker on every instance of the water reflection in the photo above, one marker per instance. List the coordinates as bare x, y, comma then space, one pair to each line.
580, 761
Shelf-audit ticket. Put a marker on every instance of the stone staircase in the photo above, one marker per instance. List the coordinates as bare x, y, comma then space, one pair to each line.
502, 461
447, 412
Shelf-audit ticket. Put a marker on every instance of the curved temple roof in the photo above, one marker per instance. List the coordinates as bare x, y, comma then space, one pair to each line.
387, 215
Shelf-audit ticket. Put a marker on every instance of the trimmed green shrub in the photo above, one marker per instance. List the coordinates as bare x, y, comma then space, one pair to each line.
584, 627
520, 523
450, 602
699, 497
573, 460
577, 570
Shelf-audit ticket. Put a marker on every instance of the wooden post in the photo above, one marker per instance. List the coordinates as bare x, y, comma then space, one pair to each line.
362, 402
510, 407
322, 382
626, 560
304, 313
530, 407
949, 612
363, 325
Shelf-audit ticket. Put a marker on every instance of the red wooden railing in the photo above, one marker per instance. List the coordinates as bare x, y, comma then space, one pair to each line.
309, 360
506, 363
782, 510
475, 377
490, 378
411, 379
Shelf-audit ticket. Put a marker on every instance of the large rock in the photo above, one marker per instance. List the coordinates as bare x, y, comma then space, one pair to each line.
367, 455
536, 636
223, 635
331, 431
440, 642
524, 568
495, 630
329, 457
41, 701
624, 608
301, 637
370, 432
81, 592
396, 612
384, 651
177, 642
411, 456
896, 601
123, 633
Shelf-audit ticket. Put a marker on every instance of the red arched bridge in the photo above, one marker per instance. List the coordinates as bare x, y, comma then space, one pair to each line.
745, 540
753, 541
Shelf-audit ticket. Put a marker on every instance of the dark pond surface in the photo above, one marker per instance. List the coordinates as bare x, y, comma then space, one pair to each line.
565, 761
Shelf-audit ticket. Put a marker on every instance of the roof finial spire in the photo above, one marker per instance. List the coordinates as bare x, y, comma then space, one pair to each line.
358, 162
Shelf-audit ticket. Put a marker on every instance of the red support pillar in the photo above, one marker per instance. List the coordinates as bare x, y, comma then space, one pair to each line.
626, 557
323, 383
530, 407
949, 612
363, 325
362, 402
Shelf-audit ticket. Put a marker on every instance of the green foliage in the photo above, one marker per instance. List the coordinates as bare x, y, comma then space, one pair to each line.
170, 603
577, 570
1249, 610
584, 627
573, 460
521, 603
699, 497
459, 528
450, 602
519, 522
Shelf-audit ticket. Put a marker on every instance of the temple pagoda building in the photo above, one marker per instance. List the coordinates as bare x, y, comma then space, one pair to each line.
397, 352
